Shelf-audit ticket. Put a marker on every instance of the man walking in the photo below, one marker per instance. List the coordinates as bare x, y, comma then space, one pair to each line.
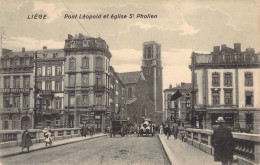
223, 143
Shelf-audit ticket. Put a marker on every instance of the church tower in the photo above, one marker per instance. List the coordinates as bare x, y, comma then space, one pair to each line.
152, 70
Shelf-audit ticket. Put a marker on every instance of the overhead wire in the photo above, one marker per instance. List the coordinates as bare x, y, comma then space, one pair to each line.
76, 18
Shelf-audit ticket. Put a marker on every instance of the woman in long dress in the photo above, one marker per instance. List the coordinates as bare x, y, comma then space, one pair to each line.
26, 140
47, 136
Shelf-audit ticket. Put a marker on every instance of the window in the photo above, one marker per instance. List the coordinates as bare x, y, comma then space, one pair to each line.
98, 99
26, 82
98, 62
72, 80
249, 98
58, 70
39, 85
85, 62
17, 62
26, 101
85, 79
5, 124
78, 100
71, 100
215, 97
16, 82
248, 57
149, 52
48, 85
240, 58
39, 71
16, 101
188, 103
215, 79
27, 61
85, 100
248, 79
98, 79
249, 120
148, 72
48, 71
6, 82
227, 58
130, 93
72, 63
6, 100
58, 86
58, 103
228, 79
228, 97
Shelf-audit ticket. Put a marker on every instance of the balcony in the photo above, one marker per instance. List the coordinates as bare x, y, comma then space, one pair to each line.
47, 93
51, 111
99, 88
220, 106
99, 107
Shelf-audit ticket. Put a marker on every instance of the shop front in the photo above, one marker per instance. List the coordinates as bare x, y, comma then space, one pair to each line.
229, 116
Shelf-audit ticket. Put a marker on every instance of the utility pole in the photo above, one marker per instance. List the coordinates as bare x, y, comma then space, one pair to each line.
36, 91
2, 36
193, 89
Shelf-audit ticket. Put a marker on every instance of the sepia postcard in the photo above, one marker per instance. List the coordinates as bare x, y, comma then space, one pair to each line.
130, 82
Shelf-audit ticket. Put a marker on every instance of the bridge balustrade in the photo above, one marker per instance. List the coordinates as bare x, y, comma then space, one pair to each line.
12, 138
247, 146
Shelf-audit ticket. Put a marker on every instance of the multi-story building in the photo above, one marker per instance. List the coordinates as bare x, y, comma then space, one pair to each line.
178, 110
117, 96
86, 83
144, 88
16, 89
226, 83
50, 81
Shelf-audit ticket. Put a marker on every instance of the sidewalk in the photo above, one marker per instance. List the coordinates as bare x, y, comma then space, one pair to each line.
181, 153
6, 152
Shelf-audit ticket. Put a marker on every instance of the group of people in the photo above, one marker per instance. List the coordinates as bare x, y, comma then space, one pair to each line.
221, 140
85, 129
27, 138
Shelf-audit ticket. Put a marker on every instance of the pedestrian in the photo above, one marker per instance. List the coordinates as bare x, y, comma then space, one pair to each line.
223, 143
161, 129
47, 136
175, 130
26, 140
168, 131
183, 135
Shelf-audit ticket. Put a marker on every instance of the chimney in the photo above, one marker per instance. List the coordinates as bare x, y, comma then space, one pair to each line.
216, 49
170, 86
69, 36
23, 50
223, 46
81, 35
44, 48
237, 47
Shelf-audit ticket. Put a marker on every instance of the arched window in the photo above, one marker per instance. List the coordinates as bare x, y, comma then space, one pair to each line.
130, 92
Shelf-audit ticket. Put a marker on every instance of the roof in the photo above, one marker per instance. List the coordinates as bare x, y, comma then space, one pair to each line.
130, 77
183, 86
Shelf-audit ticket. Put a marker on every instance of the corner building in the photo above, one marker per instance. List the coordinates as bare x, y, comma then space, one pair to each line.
227, 84
86, 83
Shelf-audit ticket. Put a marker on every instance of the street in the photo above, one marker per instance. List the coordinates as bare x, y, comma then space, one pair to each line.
104, 150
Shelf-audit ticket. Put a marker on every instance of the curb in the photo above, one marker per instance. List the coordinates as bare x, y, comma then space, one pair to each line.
168, 151
44, 147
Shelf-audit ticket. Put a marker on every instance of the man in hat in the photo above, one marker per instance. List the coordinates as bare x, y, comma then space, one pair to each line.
223, 143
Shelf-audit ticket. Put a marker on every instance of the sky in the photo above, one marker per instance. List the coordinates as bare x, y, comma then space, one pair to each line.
181, 27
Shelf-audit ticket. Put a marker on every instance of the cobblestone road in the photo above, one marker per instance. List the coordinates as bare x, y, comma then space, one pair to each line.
105, 150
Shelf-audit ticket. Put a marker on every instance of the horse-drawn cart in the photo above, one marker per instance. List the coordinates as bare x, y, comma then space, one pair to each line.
118, 127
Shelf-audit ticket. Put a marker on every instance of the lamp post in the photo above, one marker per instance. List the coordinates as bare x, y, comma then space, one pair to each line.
36, 90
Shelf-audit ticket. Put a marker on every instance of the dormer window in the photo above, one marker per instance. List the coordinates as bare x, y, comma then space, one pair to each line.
86, 43
44, 55
73, 44
54, 55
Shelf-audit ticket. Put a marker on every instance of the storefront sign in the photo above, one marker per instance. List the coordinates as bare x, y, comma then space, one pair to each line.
49, 78
14, 90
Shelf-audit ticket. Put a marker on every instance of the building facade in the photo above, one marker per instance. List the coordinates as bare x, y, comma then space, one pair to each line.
178, 110
226, 84
117, 96
16, 89
50, 82
86, 83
